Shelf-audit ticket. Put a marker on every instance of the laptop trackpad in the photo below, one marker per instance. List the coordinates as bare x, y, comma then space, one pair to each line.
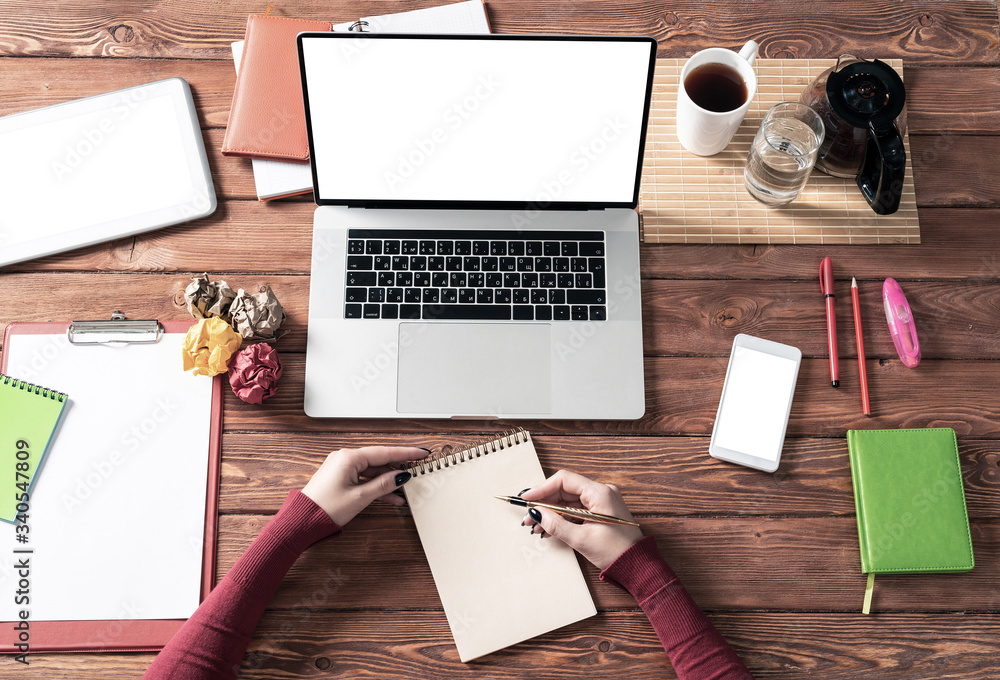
474, 369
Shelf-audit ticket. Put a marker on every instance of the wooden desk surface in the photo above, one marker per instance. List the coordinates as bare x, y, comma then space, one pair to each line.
773, 558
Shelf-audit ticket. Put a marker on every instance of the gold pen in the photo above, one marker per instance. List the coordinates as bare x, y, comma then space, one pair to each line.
579, 513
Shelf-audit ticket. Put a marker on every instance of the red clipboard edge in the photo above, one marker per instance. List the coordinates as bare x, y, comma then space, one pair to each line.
134, 635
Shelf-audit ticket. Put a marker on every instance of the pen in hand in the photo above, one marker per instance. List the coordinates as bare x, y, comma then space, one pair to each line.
579, 513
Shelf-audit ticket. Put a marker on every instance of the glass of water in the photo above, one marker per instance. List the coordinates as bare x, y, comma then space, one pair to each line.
783, 153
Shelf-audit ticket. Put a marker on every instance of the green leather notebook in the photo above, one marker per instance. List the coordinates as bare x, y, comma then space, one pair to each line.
28, 417
910, 502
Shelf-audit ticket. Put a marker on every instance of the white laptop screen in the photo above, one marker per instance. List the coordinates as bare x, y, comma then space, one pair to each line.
544, 121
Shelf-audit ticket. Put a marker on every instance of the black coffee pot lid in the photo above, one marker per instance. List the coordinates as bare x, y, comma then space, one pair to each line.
865, 91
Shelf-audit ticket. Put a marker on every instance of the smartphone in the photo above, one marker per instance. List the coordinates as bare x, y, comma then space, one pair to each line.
756, 400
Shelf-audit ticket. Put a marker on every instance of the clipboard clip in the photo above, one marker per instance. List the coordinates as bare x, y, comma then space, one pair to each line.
116, 330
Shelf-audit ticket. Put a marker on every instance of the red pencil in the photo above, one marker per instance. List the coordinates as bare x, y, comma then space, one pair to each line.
855, 302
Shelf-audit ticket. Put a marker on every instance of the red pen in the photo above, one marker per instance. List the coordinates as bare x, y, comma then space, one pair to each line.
856, 303
826, 287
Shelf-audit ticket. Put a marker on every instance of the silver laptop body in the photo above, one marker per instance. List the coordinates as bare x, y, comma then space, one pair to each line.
476, 249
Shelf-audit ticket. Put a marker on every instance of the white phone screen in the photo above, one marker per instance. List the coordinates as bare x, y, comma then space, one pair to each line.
755, 403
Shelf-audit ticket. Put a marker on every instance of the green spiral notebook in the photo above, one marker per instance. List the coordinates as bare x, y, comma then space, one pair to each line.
28, 417
910, 502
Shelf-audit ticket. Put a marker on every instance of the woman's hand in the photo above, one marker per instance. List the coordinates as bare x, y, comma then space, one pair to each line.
601, 544
350, 479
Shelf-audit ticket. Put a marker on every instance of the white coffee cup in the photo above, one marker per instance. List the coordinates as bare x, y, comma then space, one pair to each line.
705, 132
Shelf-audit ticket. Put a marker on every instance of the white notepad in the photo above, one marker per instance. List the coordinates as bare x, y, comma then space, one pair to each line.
117, 519
499, 584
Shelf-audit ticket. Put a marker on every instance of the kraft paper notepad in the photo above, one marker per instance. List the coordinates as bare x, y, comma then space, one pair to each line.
910, 502
28, 417
499, 584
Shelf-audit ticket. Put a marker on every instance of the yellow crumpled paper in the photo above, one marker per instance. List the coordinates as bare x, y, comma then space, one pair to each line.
209, 345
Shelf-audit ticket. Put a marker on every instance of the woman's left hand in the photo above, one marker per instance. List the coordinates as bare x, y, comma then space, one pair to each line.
350, 479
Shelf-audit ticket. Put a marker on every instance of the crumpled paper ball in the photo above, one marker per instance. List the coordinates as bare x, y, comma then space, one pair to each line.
254, 373
208, 298
257, 316
209, 345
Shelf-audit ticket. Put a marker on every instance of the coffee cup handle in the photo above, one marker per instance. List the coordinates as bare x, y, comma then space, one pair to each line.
749, 51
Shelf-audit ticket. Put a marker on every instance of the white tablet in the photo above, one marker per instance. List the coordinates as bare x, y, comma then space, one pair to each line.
101, 168
756, 400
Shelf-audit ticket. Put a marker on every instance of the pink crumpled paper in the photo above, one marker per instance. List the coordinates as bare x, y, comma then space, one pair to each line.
254, 373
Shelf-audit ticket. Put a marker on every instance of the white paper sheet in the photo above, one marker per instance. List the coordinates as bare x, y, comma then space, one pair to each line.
117, 515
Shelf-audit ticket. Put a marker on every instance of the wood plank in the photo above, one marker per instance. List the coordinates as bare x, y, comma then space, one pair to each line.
802, 563
789, 646
680, 318
950, 99
700, 317
33, 83
623, 645
941, 100
661, 476
153, 296
962, 244
956, 245
682, 397
956, 31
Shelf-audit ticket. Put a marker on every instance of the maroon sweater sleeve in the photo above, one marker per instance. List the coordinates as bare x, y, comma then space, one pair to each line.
696, 649
211, 644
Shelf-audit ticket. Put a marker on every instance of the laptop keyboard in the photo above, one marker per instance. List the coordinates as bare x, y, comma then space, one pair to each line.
476, 275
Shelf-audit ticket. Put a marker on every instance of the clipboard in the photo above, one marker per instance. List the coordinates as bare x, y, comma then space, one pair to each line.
129, 631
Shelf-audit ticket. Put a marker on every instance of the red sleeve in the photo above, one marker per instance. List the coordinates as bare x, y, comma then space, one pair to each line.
695, 648
210, 646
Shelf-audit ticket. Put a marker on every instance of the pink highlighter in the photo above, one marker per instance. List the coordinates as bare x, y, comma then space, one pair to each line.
904, 333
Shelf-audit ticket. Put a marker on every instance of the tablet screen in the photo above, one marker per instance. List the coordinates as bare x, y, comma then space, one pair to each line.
101, 168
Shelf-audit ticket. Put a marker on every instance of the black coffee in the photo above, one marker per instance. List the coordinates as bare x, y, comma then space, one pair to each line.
716, 87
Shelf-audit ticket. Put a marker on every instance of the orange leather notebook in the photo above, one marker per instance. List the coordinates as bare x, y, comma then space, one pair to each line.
267, 119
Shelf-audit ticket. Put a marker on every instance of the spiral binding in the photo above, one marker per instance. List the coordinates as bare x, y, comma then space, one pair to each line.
447, 457
359, 25
29, 387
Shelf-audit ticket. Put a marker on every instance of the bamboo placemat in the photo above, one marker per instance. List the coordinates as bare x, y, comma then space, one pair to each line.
686, 198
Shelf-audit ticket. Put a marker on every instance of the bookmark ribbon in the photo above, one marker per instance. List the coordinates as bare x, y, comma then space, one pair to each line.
867, 606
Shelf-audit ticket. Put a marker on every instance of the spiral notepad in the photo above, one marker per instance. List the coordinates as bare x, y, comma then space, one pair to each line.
499, 584
28, 417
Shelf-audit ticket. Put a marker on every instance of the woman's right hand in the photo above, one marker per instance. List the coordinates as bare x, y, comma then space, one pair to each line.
600, 543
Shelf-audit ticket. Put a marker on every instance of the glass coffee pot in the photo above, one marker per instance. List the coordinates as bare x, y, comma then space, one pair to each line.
862, 104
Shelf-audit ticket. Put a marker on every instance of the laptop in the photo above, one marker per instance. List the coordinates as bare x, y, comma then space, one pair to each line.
475, 247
